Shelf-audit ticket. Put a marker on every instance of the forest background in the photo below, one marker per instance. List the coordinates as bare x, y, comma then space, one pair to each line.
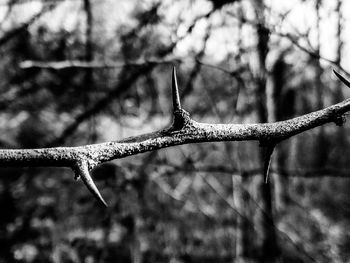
77, 72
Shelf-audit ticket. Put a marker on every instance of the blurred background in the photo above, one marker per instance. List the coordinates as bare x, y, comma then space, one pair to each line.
75, 72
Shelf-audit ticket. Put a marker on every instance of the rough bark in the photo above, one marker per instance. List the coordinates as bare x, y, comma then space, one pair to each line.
184, 130
190, 132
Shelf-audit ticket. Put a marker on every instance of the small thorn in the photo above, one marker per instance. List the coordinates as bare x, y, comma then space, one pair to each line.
83, 172
344, 80
267, 160
175, 92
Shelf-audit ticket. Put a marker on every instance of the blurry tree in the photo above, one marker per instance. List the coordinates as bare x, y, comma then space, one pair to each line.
269, 250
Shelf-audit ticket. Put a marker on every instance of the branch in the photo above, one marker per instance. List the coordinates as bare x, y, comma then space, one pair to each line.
294, 39
301, 172
80, 64
68, 64
184, 130
127, 79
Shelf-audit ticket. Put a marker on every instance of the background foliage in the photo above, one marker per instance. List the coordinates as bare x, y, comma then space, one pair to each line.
76, 72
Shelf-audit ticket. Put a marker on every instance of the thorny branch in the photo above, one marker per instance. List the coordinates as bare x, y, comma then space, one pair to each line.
183, 130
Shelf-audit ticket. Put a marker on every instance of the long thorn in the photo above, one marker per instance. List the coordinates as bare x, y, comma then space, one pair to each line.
267, 160
83, 172
344, 80
175, 92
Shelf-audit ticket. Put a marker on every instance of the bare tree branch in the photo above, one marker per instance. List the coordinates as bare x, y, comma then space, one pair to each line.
332, 172
184, 130
127, 79
295, 40
67, 64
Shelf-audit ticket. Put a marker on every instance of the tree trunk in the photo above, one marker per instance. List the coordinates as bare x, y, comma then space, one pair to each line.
241, 202
266, 228
276, 98
321, 143
88, 57
339, 161
243, 251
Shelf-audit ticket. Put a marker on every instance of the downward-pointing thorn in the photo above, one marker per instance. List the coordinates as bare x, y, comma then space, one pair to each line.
267, 159
344, 80
83, 172
175, 92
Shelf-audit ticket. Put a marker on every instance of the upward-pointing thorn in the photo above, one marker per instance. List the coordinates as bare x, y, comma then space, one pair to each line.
344, 80
83, 172
175, 92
